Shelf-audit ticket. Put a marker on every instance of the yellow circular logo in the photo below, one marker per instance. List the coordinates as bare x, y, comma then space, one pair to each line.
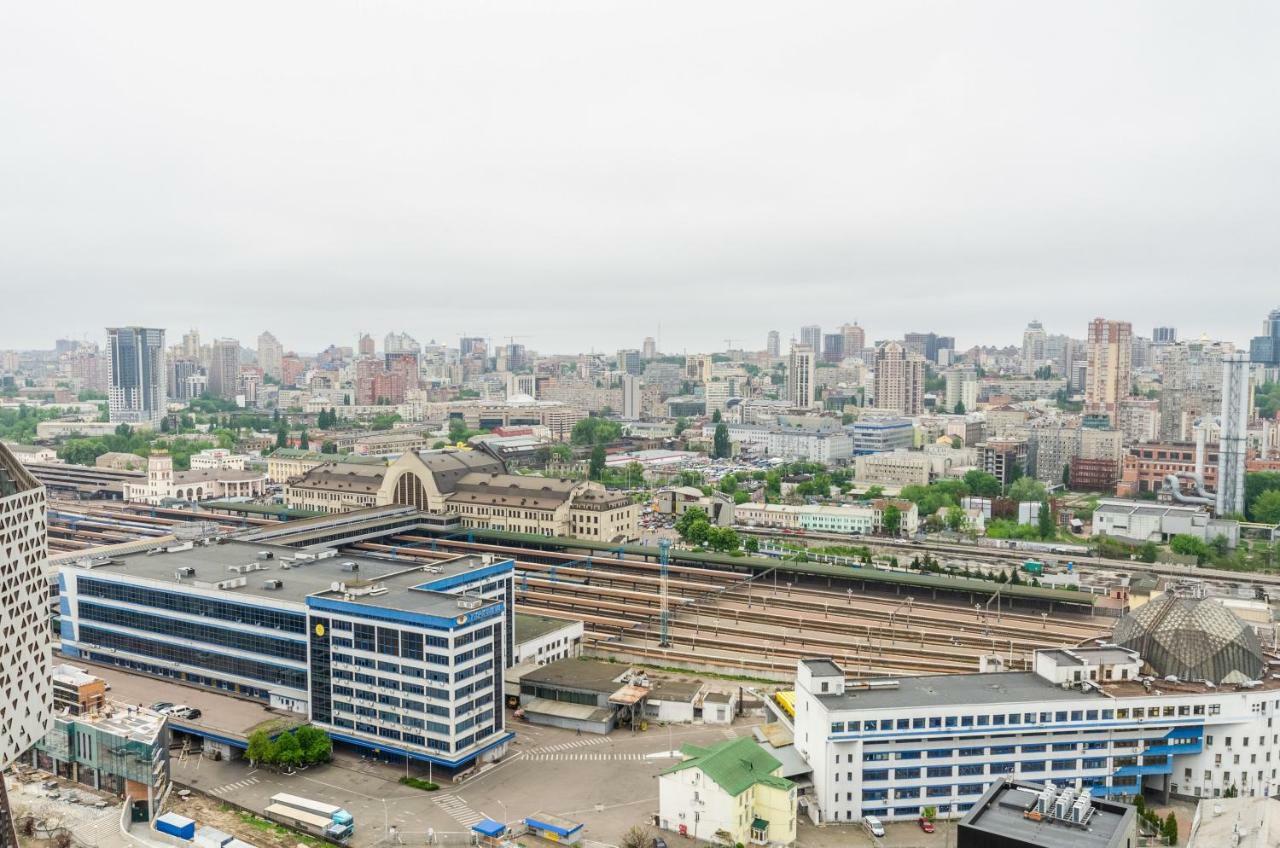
319, 629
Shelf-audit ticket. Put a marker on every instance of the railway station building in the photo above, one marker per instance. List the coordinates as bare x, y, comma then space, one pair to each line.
384, 654
1101, 718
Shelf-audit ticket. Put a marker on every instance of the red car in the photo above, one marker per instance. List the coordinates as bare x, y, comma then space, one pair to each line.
925, 825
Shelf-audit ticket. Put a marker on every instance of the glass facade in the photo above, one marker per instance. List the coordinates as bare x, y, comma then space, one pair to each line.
234, 613
294, 678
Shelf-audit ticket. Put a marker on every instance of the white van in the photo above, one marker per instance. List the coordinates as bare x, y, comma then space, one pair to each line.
873, 826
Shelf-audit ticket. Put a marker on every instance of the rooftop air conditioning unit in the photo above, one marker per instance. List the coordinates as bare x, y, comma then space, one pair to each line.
350, 566
272, 584
185, 571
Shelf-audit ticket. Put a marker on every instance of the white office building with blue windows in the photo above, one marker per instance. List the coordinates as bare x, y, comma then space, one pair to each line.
393, 655
1083, 718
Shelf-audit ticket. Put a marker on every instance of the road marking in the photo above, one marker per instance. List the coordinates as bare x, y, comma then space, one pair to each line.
230, 787
561, 756
568, 746
458, 810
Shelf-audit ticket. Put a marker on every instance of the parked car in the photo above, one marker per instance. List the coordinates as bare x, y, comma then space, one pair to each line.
161, 706
926, 825
873, 826
659, 842
186, 712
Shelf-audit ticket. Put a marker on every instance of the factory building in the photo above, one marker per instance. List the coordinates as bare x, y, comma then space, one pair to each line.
404, 659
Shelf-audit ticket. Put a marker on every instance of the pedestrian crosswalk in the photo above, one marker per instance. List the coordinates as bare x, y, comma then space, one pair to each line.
729, 734
543, 756
568, 746
231, 787
100, 831
458, 810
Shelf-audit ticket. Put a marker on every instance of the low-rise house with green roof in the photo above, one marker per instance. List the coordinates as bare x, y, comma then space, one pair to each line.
731, 792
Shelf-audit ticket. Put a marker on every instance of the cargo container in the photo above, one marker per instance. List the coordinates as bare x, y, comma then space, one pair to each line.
309, 822
176, 825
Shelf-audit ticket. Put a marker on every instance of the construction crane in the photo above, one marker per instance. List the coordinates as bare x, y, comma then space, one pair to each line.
728, 344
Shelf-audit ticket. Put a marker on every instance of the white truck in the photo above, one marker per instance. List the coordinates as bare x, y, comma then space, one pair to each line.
315, 817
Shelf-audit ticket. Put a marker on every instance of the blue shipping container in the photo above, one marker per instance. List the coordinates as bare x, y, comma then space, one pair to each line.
176, 825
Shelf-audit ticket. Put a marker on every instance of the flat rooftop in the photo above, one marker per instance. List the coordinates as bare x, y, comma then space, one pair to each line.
999, 814
536, 626
299, 573
1094, 656
1009, 687
579, 673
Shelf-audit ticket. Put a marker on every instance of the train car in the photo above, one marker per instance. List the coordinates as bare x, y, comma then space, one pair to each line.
1032, 566
787, 701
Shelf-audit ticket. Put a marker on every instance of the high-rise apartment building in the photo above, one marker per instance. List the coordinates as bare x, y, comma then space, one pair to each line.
811, 335
1164, 335
191, 344
365, 347
962, 390
899, 381
1266, 347
1033, 347
1191, 386
26, 690
802, 376
1109, 377
773, 345
270, 355
1234, 438
400, 343
927, 345
855, 339
224, 368
649, 349
136, 375
631, 394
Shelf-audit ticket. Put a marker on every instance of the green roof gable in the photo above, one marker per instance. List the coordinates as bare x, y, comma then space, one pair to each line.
735, 765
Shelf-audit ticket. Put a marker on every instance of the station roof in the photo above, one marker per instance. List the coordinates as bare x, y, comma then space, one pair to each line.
535, 626
579, 673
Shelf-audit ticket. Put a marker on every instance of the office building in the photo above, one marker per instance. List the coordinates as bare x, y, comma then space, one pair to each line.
880, 435
1108, 380
832, 347
400, 343
270, 355
26, 693
224, 369
1164, 335
928, 345
821, 440
899, 379
773, 345
76, 692
649, 349
1013, 814
801, 374
811, 335
1265, 348
1082, 718
137, 377
629, 362
382, 655
1234, 435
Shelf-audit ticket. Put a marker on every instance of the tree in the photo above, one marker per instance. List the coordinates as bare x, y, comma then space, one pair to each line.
261, 749
328, 446
687, 519
959, 408
561, 452
1266, 507
1148, 552
699, 532
304, 442
752, 545
596, 470
720, 442
1045, 524
892, 520
1188, 545
956, 443
722, 539
595, 431
716, 417
955, 519
637, 836
288, 752
1170, 830
282, 438
1066, 475
315, 744
1026, 489
982, 484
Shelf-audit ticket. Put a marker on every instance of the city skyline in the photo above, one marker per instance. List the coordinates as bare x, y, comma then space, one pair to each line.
911, 167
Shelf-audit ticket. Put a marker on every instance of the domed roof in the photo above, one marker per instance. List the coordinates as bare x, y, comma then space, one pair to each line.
1193, 639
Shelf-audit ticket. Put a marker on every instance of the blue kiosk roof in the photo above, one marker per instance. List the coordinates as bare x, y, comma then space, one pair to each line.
489, 827
552, 824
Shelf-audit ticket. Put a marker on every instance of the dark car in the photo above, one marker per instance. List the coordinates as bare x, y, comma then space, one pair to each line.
659, 842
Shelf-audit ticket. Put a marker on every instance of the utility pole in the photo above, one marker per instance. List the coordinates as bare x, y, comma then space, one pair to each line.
664, 558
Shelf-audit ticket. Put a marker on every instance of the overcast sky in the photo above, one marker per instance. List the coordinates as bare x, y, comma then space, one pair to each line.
580, 173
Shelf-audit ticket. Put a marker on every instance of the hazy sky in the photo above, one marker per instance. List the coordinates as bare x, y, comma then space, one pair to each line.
577, 173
